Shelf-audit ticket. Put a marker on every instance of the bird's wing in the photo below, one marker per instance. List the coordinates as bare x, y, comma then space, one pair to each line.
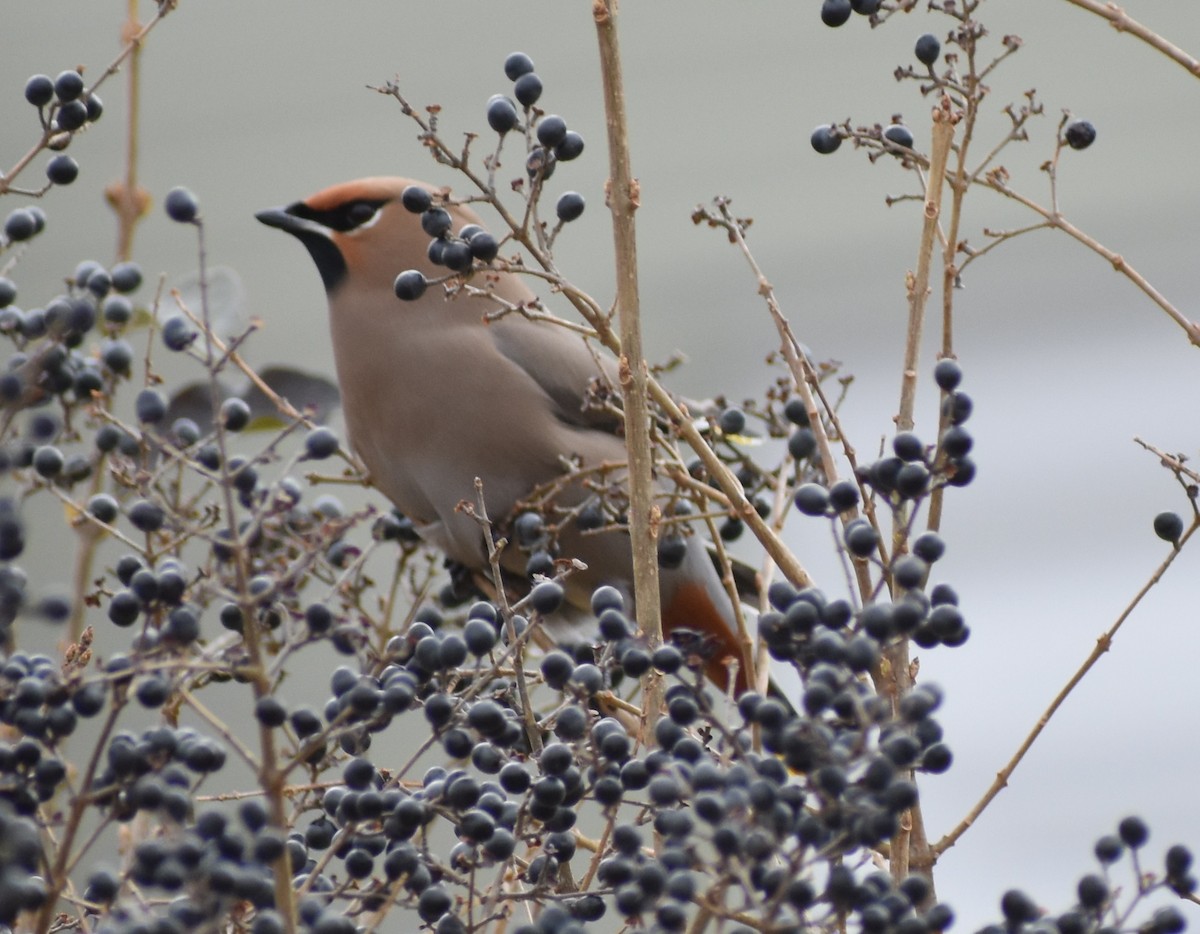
566, 367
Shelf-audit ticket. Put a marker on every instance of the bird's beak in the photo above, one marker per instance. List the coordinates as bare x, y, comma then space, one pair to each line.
286, 219
315, 237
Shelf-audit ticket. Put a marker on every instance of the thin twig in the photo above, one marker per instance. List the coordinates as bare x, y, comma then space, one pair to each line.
1123, 22
1103, 644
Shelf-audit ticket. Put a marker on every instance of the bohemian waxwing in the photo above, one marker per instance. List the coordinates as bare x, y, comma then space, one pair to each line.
434, 397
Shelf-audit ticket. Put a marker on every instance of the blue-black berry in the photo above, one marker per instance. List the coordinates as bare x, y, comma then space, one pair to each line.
502, 115
1168, 526
416, 199
410, 285
570, 148
516, 65
551, 130
900, 135
927, 49
1079, 134
321, 443
39, 90
62, 169
527, 89
570, 206
181, 206
947, 374
21, 224
68, 86
436, 222
825, 138
835, 12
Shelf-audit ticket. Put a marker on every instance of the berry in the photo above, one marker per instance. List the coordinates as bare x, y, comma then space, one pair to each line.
802, 443
546, 597
1133, 832
929, 547
483, 246
956, 442
502, 115
416, 199
1079, 134
71, 116
8, 292
570, 148
181, 206
178, 333
910, 572
150, 406
948, 374
861, 539
835, 13
516, 65
436, 222
958, 407
527, 89
1017, 907
410, 285
321, 443
1093, 892
103, 507
117, 310
1109, 848
480, 636
928, 49
865, 7
551, 130
235, 414
539, 162
1167, 920
1178, 861
39, 90
812, 499
456, 255
62, 169
900, 135
843, 496
1168, 526
672, 549
732, 421
126, 277
570, 206
21, 224
48, 461
146, 516
825, 139
908, 446
153, 692
796, 413
68, 86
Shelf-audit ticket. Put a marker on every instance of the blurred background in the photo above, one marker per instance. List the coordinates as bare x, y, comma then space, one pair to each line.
256, 105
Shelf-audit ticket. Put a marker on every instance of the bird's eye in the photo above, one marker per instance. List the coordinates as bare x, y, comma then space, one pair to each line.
361, 214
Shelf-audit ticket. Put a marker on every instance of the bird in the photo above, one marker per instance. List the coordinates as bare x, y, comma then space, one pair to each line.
437, 392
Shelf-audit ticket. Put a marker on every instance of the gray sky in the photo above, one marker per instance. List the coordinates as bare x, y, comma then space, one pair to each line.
253, 105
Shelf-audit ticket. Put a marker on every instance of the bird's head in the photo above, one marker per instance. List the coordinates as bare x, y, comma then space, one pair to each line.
362, 228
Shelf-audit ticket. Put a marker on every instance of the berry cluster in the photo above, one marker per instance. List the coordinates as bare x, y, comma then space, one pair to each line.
548, 142
65, 105
1098, 909
837, 12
